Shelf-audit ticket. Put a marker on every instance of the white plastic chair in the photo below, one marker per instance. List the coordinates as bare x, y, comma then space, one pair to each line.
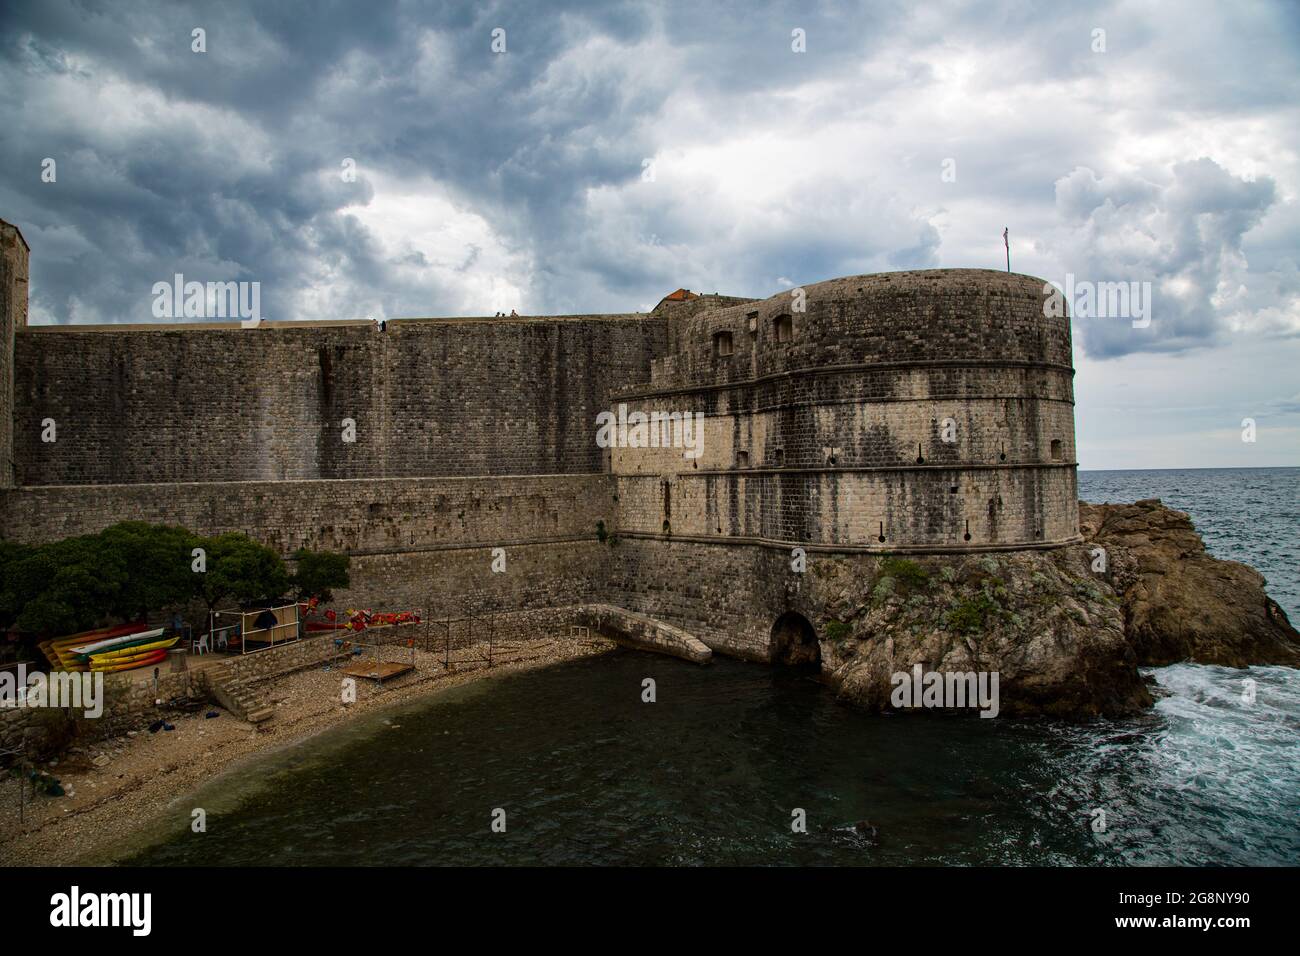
201, 644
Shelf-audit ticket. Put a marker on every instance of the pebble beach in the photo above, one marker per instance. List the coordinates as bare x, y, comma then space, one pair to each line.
117, 789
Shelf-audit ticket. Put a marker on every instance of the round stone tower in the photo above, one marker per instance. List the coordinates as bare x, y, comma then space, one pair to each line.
911, 411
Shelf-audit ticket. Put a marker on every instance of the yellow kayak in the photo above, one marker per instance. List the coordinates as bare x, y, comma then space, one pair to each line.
59, 651
136, 651
130, 663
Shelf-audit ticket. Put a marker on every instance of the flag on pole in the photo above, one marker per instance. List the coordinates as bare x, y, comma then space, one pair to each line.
1007, 242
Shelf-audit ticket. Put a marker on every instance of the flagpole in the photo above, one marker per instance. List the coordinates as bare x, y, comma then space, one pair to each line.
1007, 242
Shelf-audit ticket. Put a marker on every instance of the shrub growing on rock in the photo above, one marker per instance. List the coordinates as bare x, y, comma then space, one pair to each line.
837, 631
973, 615
907, 573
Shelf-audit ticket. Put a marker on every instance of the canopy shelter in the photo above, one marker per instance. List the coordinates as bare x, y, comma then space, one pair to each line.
257, 626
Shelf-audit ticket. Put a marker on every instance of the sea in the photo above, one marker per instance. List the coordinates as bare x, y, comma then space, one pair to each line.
740, 764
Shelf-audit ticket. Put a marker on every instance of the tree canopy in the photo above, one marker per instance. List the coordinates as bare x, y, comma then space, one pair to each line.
132, 568
239, 568
319, 572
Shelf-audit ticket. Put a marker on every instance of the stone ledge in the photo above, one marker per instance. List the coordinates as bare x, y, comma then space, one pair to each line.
643, 632
851, 548
639, 391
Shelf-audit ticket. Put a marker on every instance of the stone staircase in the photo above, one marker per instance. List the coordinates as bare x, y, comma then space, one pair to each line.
240, 698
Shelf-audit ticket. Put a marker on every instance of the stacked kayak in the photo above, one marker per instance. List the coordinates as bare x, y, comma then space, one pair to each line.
130, 662
109, 649
59, 651
130, 656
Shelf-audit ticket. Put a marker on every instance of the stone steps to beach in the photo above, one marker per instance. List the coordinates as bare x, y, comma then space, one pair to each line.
240, 699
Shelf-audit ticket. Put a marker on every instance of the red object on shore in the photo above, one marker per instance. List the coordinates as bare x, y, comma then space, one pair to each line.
359, 620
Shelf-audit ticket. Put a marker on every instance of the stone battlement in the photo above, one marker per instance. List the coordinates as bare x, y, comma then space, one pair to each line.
927, 411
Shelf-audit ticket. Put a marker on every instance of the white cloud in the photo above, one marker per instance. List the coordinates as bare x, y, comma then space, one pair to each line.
1183, 234
425, 240
496, 182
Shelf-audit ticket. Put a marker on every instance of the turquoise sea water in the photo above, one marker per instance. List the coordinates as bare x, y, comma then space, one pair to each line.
713, 771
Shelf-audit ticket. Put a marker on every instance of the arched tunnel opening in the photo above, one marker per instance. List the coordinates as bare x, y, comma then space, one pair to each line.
794, 641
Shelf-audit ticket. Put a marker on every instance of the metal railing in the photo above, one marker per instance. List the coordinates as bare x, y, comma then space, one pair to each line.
473, 639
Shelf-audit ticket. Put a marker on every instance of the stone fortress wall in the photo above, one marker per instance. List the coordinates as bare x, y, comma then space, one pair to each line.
922, 410
824, 428
428, 398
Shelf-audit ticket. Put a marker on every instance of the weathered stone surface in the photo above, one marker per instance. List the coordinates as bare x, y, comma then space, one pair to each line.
910, 410
428, 398
826, 429
129, 704
369, 517
1054, 635
834, 435
1180, 603
643, 632
13, 317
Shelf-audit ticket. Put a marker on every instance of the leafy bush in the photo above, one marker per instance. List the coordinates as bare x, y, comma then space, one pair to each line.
78, 583
882, 591
973, 615
239, 568
319, 572
837, 631
907, 573
133, 568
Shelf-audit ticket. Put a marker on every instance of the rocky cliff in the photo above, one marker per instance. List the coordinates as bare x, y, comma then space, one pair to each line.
1066, 630
1181, 604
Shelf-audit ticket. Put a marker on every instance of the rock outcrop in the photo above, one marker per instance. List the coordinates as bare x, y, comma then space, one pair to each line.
1052, 631
1181, 604
1066, 630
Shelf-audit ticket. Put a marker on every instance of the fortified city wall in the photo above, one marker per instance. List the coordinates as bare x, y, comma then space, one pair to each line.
903, 412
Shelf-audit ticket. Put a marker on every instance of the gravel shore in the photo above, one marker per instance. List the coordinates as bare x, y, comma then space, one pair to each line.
116, 788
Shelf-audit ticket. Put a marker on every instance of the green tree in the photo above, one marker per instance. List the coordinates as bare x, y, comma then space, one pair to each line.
319, 572
128, 570
14, 592
239, 568
69, 585
157, 560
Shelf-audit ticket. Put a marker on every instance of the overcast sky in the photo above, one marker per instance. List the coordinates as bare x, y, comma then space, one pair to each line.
614, 152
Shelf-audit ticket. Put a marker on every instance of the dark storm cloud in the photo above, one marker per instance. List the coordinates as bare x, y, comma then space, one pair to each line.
526, 168
220, 170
